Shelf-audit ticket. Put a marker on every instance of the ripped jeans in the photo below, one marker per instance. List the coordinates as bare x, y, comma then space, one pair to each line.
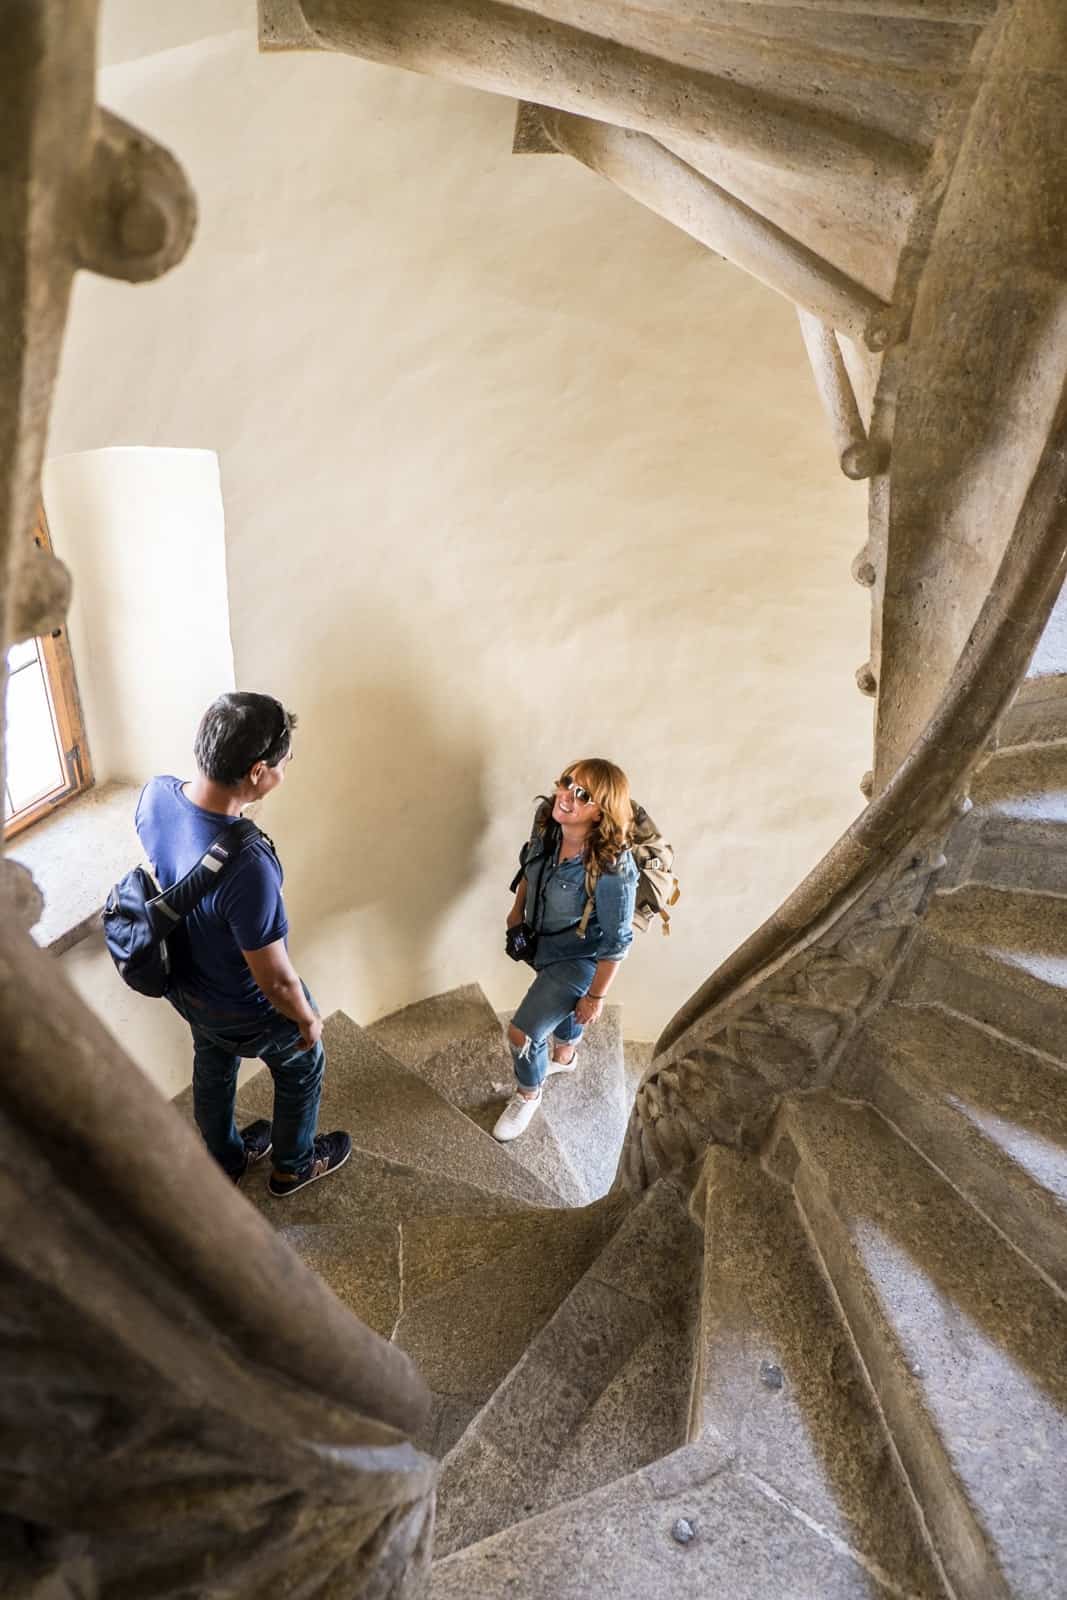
547, 1010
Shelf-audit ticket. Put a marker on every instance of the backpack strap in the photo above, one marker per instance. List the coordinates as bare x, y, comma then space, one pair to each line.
172, 904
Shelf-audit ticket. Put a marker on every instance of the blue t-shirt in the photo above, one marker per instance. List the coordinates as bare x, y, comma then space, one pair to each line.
245, 912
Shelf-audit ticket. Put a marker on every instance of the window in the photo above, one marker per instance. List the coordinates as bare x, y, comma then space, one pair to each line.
47, 759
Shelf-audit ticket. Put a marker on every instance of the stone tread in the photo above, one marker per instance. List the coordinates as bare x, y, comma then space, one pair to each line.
392, 1112
371, 1191
965, 1345
1028, 783
989, 1114
568, 1416
419, 1031
1010, 922
587, 1110
975, 982
1039, 714
616, 1543
475, 1292
455, 1042
1019, 821
781, 1381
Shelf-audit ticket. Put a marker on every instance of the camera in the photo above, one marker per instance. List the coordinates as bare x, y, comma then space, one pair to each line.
520, 942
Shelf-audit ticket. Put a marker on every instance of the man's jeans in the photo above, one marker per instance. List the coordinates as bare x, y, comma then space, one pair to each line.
547, 1010
219, 1043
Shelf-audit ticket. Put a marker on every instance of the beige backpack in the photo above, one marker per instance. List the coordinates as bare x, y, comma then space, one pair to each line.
657, 887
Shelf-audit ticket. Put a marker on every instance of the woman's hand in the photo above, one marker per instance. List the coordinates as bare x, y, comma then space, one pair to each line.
514, 917
587, 1009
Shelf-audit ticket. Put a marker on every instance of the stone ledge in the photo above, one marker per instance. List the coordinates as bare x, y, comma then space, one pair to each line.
75, 855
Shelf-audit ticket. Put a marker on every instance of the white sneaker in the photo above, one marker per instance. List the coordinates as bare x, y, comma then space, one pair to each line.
561, 1066
516, 1117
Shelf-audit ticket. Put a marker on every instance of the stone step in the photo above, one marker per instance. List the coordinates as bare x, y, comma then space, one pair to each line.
1027, 784
1018, 823
1014, 854
587, 1110
781, 1382
455, 1041
429, 1028
964, 1344
391, 1111
688, 1527
989, 1114
1039, 712
637, 1058
603, 1389
348, 1227
1010, 950
475, 1292
463, 1294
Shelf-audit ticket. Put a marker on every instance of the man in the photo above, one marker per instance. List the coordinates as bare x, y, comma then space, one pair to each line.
233, 980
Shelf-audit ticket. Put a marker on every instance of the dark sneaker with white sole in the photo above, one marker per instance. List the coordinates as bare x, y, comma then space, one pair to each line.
256, 1139
331, 1151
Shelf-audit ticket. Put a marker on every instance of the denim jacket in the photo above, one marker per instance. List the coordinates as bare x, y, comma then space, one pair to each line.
608, 934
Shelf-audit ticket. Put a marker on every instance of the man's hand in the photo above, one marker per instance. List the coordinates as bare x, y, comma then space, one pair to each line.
514, 917
311, 1031
276, 977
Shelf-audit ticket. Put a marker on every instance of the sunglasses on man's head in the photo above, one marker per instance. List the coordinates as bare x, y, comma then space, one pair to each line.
581, 795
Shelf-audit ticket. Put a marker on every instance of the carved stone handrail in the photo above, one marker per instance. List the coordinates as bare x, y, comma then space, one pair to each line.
874, 879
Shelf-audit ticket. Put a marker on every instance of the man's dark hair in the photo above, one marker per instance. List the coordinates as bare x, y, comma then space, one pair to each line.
239, 729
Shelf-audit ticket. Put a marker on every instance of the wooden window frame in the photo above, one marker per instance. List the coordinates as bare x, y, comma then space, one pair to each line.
65, 704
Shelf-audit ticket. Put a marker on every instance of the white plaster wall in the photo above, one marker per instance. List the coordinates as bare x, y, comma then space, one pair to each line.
513, 472
143, 534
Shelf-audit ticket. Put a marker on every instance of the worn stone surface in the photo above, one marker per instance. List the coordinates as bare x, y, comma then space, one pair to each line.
476, 1291
1036, 715
965, 1344
456, 1042
995, 955
587, 1109
989, 1114
782, 1382
371, 1189
617, 1543
1020, 820
363, 1269
390, 1111
417, 1032
553, 1427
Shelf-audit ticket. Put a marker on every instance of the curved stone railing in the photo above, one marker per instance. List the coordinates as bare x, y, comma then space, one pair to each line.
967, 522
777, 1013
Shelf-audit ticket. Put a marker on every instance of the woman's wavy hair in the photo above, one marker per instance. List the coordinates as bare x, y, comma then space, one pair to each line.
610, 788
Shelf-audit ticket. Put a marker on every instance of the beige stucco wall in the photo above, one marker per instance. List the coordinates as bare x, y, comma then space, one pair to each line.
143, 534
512, 472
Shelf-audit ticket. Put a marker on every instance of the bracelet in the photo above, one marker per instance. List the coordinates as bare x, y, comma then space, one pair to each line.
592, 996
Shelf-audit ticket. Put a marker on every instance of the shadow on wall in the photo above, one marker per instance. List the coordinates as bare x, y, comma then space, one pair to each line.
385, 810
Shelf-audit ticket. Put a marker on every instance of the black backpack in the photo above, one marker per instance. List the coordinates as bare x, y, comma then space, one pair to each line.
139, 918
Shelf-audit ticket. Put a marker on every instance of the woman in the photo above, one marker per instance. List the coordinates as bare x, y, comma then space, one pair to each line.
577, 894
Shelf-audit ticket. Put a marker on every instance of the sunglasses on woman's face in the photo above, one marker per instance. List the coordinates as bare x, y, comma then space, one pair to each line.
581, 795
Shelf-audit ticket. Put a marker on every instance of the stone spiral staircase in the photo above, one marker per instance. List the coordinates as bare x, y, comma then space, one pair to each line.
794, 1324
833, 1365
